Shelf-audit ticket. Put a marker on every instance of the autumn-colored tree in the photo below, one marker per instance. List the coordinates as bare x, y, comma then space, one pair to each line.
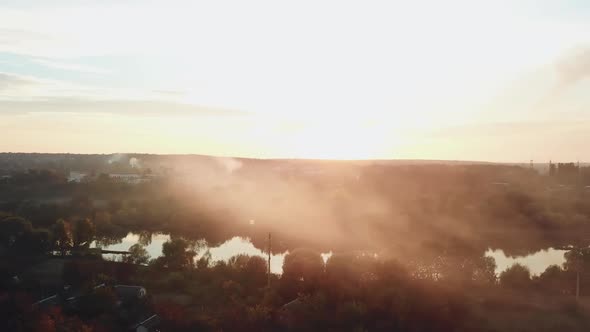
62, 236
84, 232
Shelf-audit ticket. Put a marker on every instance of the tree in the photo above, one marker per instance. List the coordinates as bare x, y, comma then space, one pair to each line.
555, 280
99, 301
137, 255
205, 260
81, 205
249, 269
577, 259
62, 236
178, 253
43, 322
78, 273
485, 270
11, 229
145, 238
83, 233
391, 271
257, 266
516, 277
350, 269
36, 242
303, 264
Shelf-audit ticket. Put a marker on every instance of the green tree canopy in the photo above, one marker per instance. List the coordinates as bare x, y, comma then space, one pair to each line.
178, 253
137, 255
577, 259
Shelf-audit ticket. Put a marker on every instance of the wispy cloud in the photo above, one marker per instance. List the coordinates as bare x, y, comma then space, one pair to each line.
168, 93
26, 94
13, 36
574, 67
570, 81
11, 81
70, 66
19, 87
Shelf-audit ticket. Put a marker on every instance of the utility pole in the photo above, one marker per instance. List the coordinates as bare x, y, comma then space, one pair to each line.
578, 284
269, 253
578, 265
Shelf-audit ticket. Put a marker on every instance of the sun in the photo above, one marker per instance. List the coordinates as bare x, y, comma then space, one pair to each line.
342, 141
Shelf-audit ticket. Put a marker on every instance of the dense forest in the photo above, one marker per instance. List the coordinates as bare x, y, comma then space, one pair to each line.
408, 242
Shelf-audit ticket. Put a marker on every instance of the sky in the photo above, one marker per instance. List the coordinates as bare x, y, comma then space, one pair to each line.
458, 80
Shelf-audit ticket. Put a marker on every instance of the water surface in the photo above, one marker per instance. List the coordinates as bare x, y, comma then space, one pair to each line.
536, 262
232, 247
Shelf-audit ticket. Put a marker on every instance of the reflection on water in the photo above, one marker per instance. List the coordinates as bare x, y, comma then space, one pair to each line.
239, 245
154, 248
235, 246
536, 262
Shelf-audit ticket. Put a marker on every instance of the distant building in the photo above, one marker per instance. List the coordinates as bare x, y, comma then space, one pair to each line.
77, 177
132, 178
127, 178
501, 184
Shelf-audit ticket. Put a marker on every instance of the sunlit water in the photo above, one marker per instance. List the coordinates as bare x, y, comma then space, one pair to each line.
537, 262
235, 246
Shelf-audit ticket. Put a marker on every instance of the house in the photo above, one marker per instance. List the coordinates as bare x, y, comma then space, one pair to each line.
127, 293
148, 325
47, 302
290, 313
69, 296
128, 308
65, 296
293, 304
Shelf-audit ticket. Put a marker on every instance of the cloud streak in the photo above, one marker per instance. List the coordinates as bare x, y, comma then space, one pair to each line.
25, 94
111, 106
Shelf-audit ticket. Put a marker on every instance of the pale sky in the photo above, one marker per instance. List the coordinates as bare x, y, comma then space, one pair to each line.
470, 80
